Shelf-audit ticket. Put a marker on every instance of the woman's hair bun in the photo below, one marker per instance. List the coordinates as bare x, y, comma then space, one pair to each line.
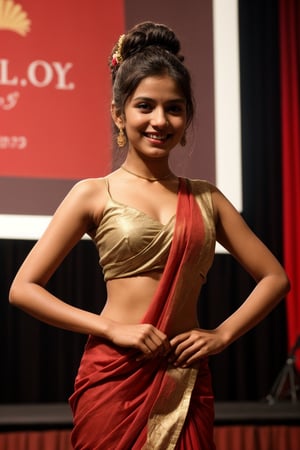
148, 34
141, 36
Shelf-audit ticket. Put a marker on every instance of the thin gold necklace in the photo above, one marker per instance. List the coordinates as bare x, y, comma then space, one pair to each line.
147, 178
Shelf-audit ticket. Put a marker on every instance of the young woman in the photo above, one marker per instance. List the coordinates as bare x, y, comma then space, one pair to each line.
144, 382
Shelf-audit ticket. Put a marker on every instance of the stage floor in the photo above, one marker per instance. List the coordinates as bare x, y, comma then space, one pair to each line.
58, 415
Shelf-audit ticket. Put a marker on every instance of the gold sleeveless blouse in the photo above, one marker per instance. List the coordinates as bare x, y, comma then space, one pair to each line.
131, 243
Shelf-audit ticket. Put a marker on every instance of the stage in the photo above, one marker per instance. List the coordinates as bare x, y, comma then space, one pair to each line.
238, 426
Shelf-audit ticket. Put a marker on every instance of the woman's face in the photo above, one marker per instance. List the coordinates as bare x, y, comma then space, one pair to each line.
155, 117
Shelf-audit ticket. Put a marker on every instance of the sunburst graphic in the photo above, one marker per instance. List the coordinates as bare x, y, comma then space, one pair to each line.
14, 18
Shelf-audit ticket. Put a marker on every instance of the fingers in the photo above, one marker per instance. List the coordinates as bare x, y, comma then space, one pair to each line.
183, 350
152, 343
143, 337
186, 357
188, 348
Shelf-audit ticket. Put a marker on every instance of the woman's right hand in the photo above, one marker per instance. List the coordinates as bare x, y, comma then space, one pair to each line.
150, 341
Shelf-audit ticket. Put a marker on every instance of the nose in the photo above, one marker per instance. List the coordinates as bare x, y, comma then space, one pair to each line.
159, 118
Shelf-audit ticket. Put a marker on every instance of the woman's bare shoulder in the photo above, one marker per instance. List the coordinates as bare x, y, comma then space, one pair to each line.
89, 186
87, 190
90, 195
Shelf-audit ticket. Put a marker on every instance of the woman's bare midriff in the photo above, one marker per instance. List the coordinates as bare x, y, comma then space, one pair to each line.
128, 300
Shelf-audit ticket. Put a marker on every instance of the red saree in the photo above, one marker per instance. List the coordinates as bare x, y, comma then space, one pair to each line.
122, 404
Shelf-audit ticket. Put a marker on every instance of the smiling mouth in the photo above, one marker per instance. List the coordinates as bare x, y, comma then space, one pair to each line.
157, 137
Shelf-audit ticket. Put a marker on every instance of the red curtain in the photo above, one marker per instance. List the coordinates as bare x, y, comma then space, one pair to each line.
36, 440
251, 437
289, 22
235, 437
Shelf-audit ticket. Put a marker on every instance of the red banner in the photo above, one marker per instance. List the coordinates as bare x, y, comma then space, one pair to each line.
55, 87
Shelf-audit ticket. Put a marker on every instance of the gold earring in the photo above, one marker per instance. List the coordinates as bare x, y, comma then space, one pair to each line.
121, 138
183, 140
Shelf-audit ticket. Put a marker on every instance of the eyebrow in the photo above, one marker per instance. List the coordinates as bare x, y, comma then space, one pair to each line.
149, 99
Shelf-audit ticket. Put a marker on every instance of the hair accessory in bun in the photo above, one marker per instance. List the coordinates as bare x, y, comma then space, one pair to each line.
117, 56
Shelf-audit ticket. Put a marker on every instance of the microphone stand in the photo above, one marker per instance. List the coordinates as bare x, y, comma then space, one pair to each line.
286, 374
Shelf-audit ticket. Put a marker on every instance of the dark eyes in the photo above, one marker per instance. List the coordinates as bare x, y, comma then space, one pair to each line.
176, 109
172, 109
144, 106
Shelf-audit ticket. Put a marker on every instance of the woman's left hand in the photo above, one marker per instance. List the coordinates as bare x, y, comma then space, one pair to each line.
189, 347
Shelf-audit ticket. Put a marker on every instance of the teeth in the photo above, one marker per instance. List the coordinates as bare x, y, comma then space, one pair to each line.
155, 136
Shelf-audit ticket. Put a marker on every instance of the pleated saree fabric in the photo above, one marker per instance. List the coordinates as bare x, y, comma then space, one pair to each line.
123, 404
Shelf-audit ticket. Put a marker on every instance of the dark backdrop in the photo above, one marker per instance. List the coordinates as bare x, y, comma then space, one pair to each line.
38, 362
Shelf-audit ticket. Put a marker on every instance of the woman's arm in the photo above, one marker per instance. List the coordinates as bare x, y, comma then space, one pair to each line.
73, 218
272, 281
272, 285
78, 213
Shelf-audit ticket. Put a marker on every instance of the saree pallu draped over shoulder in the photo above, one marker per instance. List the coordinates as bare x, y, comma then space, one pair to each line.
123, 404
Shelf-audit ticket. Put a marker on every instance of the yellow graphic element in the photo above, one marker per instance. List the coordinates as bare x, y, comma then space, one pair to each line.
13, 17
